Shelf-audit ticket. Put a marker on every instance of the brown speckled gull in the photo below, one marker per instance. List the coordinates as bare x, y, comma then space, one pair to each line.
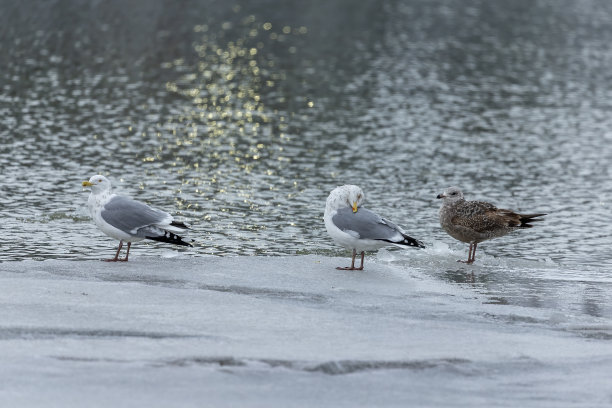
477, 221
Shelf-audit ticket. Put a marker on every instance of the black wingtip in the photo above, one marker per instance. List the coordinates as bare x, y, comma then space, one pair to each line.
171, 238
412, 242
409, 241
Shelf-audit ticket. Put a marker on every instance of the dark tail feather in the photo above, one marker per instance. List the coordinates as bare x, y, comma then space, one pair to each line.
409, 241
171, 238
526, 219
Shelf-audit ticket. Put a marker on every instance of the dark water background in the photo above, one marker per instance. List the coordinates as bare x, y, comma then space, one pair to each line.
241, 117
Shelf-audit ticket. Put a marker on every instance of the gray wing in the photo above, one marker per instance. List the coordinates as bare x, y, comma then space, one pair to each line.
129, 215
367, 224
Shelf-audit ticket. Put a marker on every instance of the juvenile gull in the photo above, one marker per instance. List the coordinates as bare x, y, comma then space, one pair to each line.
357, 228
477, 221
128, 220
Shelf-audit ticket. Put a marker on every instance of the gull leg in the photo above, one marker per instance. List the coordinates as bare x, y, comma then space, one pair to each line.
116, 258
473, 254
362, 256
352, 267
126, 254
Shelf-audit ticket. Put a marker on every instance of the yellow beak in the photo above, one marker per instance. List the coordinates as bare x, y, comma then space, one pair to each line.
87, 184
354, 206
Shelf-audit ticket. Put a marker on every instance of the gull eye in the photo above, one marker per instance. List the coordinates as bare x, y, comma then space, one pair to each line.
99, 181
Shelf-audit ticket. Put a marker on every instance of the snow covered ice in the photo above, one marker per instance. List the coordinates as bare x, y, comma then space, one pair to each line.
290, 332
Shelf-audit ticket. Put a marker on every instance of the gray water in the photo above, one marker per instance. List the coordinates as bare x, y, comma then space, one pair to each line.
240, 119
508, 101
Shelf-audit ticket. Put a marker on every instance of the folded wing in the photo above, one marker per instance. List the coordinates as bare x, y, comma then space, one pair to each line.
484, 217
365, 224
130, 216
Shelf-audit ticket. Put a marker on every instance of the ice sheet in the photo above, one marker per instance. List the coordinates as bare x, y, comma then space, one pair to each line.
286, 331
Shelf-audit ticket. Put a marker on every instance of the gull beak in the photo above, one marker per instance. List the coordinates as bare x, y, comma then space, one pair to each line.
441, 195
87, 184
354, 206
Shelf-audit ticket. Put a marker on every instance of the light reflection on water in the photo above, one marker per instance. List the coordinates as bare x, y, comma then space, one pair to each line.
241, 122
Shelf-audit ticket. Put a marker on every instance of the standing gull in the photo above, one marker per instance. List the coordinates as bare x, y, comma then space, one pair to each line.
357, 228
477, 221
128, 220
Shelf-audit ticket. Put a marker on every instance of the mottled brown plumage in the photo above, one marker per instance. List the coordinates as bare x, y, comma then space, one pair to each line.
477, 221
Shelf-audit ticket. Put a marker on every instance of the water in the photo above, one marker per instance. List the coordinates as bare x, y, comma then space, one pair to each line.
209, 116
240, 118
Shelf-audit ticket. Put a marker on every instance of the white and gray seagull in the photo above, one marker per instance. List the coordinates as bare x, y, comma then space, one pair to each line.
128, 220
359, 229
476, 221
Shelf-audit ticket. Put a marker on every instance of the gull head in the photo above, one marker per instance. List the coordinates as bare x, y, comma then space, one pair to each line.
451, 195
98, 184
345, 196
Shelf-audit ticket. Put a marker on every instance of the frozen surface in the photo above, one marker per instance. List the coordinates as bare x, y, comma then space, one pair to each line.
295, 332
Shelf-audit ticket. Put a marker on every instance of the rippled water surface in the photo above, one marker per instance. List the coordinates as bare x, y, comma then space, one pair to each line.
240, 118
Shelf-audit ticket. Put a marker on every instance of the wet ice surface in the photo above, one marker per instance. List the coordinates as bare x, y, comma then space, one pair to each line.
294, 331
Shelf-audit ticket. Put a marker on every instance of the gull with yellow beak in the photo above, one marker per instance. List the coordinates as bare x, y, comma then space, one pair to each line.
359, 229
128, 220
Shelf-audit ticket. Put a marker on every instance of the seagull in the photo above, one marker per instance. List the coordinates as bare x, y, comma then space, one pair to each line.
359, 229
477, 221
128, 220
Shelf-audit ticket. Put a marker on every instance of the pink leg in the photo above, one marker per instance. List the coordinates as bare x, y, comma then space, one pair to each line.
473, 254
116, 258
126, 254
362, 256
352, 267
